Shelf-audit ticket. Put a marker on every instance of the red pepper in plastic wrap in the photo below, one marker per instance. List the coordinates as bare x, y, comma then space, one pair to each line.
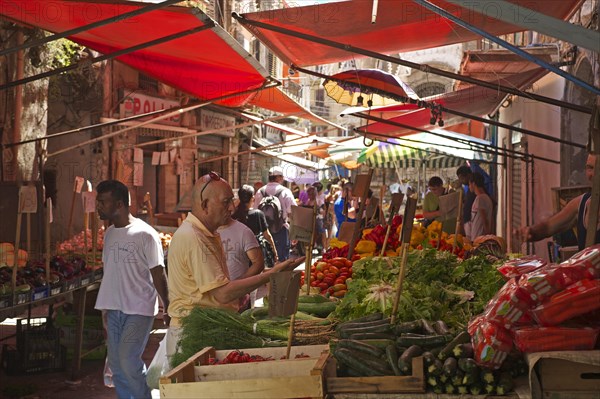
515, 268
584, 264
507, 306
541, 284
541, 339
577, 299
491, 343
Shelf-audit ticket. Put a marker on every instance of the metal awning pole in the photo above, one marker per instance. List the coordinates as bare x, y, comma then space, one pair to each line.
522, 53
413, 65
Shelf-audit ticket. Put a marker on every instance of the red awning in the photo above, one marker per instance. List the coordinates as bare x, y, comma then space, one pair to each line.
207, 64
473, 100
401, 26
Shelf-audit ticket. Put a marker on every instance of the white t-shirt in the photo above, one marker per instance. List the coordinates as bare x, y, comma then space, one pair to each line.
286, 198
237, 239
129, 254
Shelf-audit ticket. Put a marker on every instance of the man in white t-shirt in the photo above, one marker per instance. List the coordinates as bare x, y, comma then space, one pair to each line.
286, 198
134, 274
243, 254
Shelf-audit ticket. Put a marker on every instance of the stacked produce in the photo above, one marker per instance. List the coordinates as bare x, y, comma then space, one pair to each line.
437, 286
372, 346
541, 307
76, 244
8, 253
330, 276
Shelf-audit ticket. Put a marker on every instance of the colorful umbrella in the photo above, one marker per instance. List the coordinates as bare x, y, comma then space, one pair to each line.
361, 87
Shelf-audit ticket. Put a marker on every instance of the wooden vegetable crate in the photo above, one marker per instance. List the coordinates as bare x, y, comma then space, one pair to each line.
288, 378
386, 384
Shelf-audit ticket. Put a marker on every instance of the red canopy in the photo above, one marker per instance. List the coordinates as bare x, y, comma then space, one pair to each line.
473, 100
401, 26
207, 64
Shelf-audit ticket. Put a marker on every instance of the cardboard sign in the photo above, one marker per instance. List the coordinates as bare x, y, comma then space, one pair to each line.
361, 186
449, 205
173, 154
408, 219
49, 210
78, 183
283, 293
395, 205
155, 158
301, 224
164, 158
346, 231
138, 155
89, 201
28, 199
138, 174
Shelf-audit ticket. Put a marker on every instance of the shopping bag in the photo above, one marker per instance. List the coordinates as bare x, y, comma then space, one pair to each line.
159, 365
108, 375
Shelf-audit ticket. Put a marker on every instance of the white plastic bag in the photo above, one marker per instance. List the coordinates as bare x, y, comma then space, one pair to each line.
108, 375
159, 365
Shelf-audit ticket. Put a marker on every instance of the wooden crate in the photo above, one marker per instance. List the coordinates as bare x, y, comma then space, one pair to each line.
293, 378
379, 385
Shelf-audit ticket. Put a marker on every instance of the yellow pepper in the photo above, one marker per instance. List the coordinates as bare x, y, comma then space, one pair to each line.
335, 243
365, 246
365, 232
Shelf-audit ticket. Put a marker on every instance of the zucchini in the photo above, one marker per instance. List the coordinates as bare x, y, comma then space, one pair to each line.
457, 379
462, 390
367, 318
360, 346
488, 376
428, 358
424, 341
435, 368
450, 389
463, 350
475, 389
444, 379
312, 299
350, 326
438, 390
440, 328
318, 309
392, 358
372, 335
427, 328
433, 381
489, 389
461, 338
467, 365
350, 372
346, 357
379, 343
405, 360
450, 367
379, 328
378, 364
409, 326
471, 377
435, 351
505, 384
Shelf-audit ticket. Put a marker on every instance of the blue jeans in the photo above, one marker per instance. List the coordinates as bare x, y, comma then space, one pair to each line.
127, 336
282, 243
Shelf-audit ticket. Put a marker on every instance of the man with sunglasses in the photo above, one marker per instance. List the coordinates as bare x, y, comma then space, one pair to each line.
198, 274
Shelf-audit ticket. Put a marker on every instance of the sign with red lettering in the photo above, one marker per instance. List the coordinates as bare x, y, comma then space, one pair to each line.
138, 104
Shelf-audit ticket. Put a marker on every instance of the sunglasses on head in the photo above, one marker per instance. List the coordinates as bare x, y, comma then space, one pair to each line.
213, 176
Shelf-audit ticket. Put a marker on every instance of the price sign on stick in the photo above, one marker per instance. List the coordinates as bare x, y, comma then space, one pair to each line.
283, 293
138, 155
89, 201
79, 181
408, 219
49, 210
346, 231
449, 205
395, 205
361, 186
155, 158
301, 227
28, 199
164, 158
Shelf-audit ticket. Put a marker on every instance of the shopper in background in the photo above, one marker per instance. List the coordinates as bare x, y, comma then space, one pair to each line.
431, 205
286, 199
198, 274
242, 253
481, 210
464, 174
134, 276
256, 221
574, 214
344, 206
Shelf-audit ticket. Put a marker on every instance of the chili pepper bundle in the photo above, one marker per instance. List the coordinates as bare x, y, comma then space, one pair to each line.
540, 339
577, 299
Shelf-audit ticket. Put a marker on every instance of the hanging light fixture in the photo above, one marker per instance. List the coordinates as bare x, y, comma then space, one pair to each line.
359, 101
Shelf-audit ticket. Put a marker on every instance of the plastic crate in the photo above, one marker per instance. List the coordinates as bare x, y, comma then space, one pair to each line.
38, 349
98, 274
6, 301
23, 297
86, 279
57, 288
39, 293
72, 284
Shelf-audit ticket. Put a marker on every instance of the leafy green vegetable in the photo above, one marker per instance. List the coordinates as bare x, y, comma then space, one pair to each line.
437, 286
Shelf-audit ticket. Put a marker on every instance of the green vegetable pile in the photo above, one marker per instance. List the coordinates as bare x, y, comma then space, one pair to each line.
437, 286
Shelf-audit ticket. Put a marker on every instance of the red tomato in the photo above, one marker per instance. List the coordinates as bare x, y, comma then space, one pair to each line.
323, 286
340, 293
320, 276
339, 280
314, 283
334, 270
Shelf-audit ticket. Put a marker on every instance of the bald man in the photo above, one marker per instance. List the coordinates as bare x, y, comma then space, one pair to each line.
575, 213
198, 275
